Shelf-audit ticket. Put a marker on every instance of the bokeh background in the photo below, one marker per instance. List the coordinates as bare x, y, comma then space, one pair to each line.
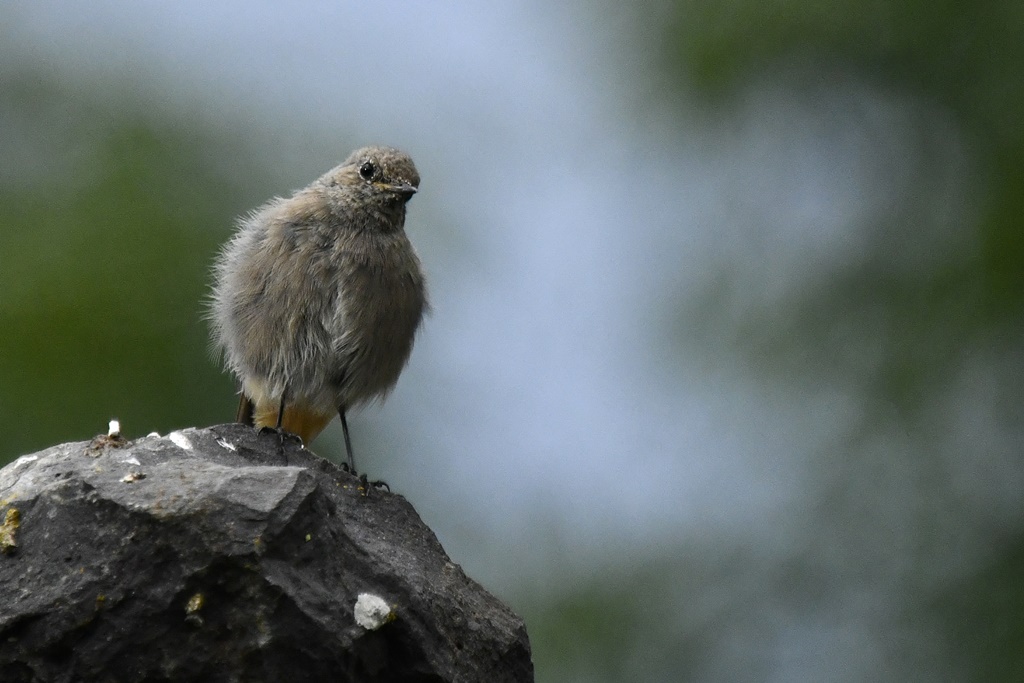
724, 376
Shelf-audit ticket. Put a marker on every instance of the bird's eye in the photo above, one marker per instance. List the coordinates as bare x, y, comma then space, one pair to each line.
367, 170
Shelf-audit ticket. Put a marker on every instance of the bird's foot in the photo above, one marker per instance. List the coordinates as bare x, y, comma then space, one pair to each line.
280, 433
365, 485
283, 437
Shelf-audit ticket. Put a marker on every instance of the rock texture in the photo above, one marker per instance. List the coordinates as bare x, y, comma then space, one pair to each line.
220, 555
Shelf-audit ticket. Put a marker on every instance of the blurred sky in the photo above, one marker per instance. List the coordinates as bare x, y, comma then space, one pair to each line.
563, 215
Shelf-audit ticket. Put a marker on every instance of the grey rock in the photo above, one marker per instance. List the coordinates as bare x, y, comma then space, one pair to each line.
222, 555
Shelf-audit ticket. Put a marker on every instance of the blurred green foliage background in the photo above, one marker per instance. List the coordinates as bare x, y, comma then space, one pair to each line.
110, 216
111, 210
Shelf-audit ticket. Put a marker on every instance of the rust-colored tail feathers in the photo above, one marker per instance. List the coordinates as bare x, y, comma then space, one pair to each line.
245, 410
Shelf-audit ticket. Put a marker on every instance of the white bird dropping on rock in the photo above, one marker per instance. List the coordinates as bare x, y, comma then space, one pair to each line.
372, 611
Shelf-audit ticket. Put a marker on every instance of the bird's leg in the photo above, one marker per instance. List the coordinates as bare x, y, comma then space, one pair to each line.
280, 410
348, 440
280, 414
351, 465
280, 420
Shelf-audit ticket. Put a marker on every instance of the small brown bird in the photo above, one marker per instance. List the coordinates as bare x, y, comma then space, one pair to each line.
317, 297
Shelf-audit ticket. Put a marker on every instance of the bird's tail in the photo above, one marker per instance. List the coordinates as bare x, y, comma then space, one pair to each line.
246, 410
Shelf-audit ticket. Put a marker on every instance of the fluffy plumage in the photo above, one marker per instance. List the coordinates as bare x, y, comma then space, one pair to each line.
318, 296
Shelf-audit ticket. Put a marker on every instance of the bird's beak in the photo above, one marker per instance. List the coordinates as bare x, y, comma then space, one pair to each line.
404, 190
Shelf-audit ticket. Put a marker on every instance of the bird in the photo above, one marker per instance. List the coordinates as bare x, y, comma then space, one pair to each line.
317, 297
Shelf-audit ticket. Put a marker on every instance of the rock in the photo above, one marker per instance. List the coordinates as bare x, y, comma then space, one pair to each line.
222, 555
